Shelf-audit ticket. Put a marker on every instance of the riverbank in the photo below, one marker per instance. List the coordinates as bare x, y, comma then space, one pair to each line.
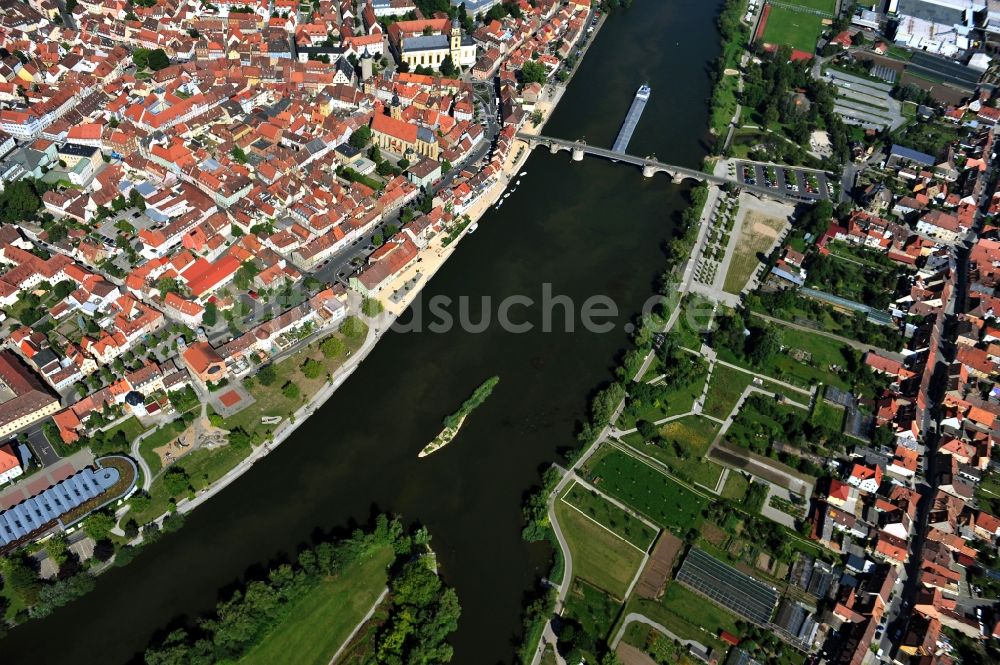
585, 228
412, 280
428, 263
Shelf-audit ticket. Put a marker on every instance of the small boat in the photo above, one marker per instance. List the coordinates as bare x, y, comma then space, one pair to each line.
517, 183
524, 173
506, 195
473, 227
500, 203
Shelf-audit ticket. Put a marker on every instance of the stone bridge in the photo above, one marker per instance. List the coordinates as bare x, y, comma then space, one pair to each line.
651, 167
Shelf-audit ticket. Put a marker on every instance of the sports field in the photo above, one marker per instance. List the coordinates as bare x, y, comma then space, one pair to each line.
826, 7
796, 27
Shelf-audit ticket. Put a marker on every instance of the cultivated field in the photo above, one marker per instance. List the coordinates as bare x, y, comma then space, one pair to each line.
599, 556
646, 490
599, 509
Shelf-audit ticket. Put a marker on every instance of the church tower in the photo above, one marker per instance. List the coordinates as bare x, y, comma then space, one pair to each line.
456, 42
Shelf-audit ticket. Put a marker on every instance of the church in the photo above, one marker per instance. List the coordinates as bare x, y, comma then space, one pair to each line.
426, 43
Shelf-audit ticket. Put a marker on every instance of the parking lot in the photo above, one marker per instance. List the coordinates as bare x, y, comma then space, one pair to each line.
805, 182
864, 102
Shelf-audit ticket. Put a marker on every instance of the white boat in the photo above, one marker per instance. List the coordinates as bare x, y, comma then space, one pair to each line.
524, 173
499, 203
517, 183
473, 227
506, 195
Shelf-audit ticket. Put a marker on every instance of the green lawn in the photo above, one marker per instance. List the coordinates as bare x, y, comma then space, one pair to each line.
826, 6
736, 486
599, 556
688, 615
161, 437
130, 427
823, 352
699, 433
270, 401
692, 322
646, 490
319, 622
611, 516
203, 466
696, 431
828, 415
800, 30
724, 390
676, 400
595, 610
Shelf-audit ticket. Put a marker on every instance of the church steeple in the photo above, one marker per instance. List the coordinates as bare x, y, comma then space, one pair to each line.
456, 41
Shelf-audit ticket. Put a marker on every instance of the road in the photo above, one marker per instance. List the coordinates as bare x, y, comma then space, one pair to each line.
635, 617
537, 140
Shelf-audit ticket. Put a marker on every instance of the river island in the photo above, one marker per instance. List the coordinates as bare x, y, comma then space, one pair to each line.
453, 423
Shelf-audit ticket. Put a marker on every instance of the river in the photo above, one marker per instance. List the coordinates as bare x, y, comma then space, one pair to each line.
585, 228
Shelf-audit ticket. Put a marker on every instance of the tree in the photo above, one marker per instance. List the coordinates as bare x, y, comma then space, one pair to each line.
331, 347
352, 327
140, 58
763, 344
240, 439
176, 481
371, 306
131, 527
63, 288
266, 375
211, 315
135, 199
245, 275
104, 549
496, 13
20, 201
56, 548
98, 525
169, 285
158, 60
648, 431
238, 154
312, 369
361, 136
533, 72
290, 390
604, 404
448, 66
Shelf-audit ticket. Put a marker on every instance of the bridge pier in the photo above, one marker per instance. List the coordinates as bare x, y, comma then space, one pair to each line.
648, 170
553, 148
676, 178
577, 154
